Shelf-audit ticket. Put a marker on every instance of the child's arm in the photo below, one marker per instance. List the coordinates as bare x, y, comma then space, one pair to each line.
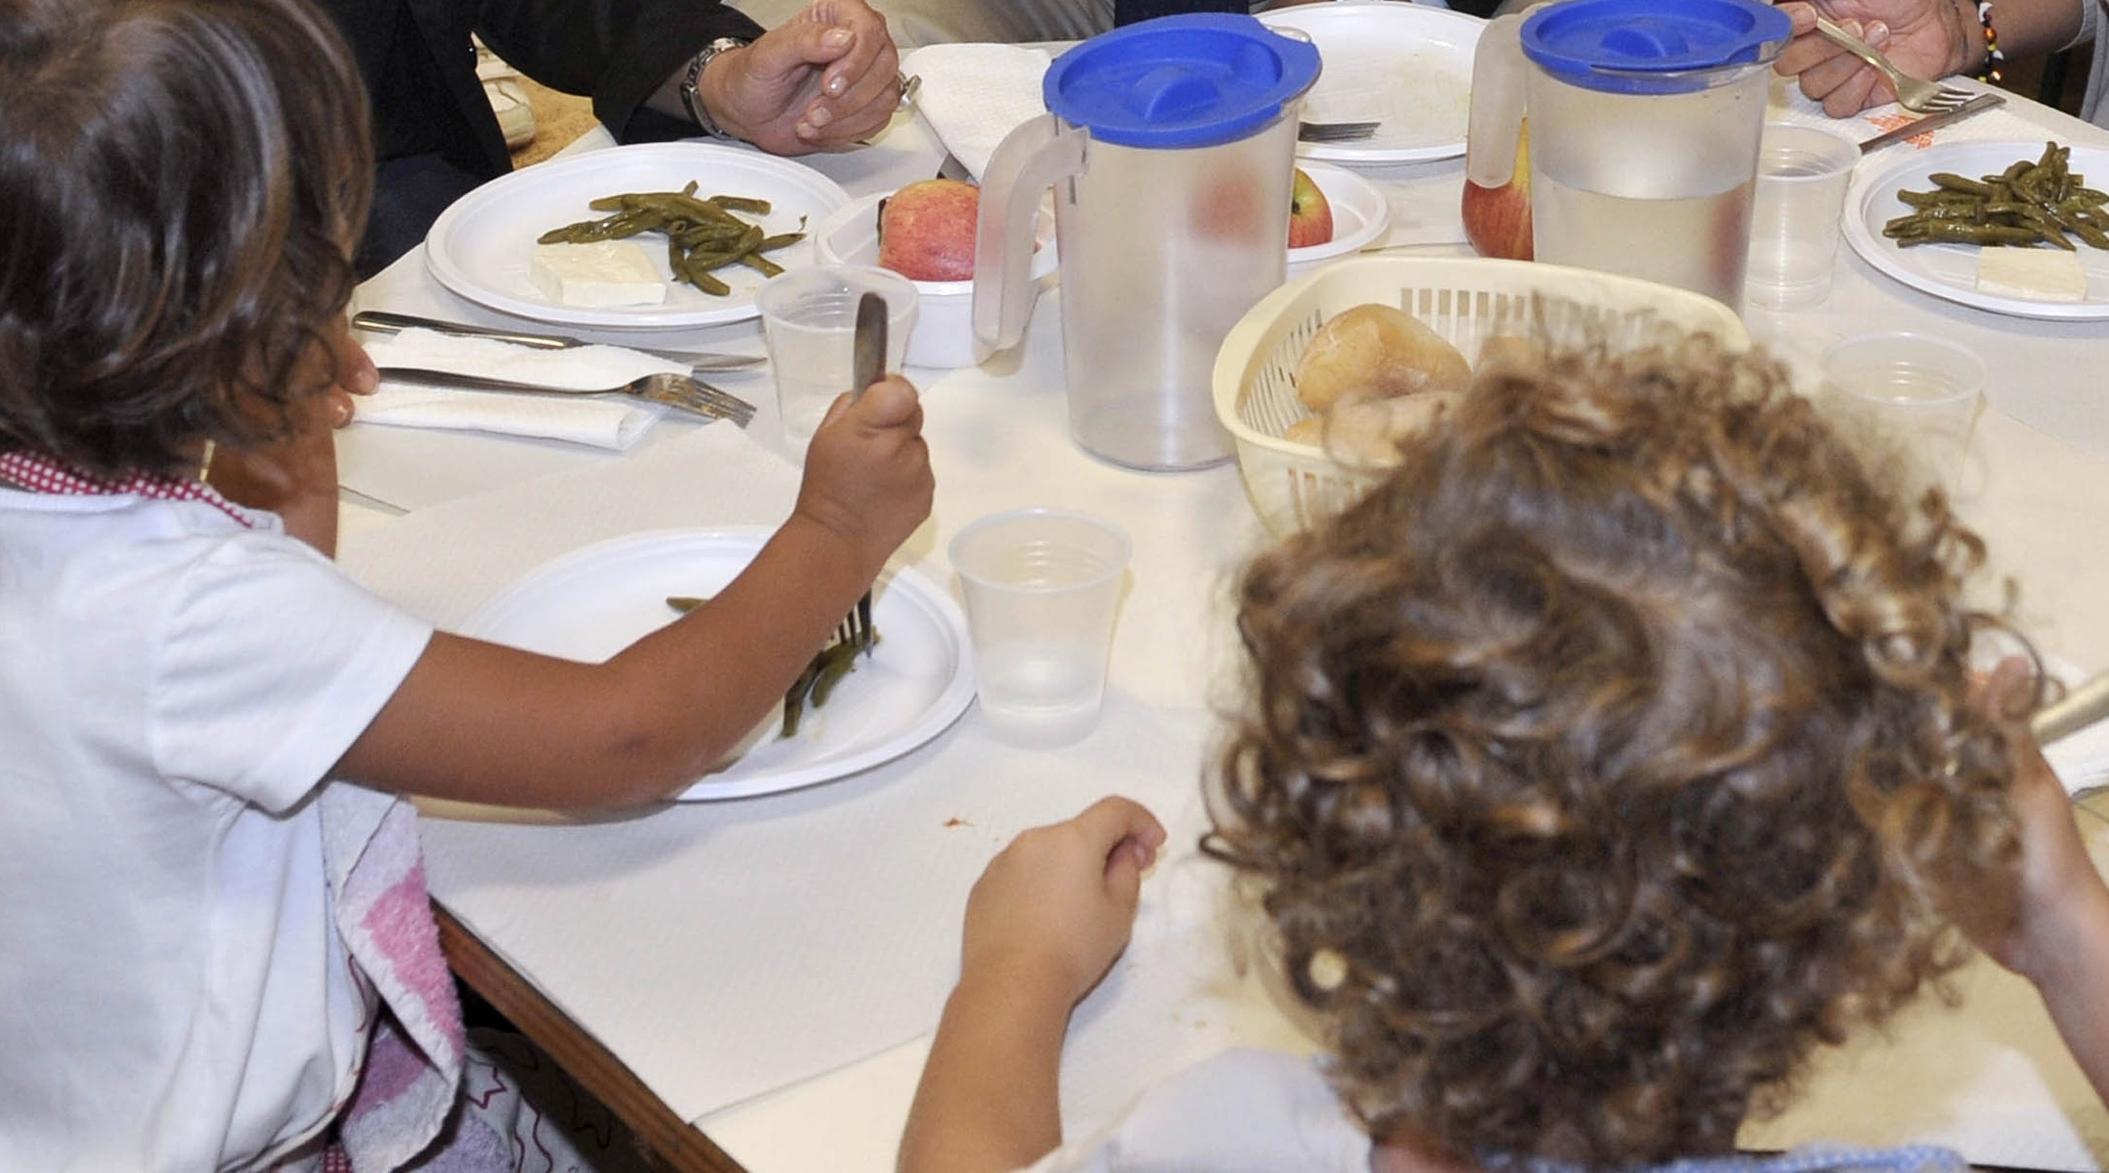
483, 723
2057, 932
1043, 925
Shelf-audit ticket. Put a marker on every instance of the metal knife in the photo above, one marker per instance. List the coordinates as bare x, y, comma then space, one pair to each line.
384, 322
868, 353
1976, 105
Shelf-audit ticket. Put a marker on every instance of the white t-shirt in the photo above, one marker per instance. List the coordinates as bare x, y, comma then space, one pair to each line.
1251, 1111
173, 687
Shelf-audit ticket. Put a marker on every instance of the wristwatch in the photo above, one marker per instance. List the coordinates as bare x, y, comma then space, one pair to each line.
694, 77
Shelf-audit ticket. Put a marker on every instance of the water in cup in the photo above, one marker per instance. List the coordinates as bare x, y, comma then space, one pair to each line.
1803, 173
1042, 587
1039, 693
809, 318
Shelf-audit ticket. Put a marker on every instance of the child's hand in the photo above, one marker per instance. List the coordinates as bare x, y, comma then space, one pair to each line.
2057, 883
1057, 905
356, 374
867, 476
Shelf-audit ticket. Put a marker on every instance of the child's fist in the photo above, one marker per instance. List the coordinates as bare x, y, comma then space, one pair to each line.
1057, 905
867, 472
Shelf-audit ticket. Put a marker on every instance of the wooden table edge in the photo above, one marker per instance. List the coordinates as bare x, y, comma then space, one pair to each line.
674, 1143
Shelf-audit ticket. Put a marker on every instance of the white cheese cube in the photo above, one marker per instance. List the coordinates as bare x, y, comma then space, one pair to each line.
2039, 274
601, 274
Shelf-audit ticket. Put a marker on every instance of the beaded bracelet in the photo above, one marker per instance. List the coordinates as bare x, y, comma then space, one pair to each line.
1994, 59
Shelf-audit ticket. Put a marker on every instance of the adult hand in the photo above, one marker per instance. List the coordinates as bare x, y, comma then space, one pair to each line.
1055, 908
1923, 38
824, 79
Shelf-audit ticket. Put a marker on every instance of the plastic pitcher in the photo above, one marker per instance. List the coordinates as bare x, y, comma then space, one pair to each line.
1171, 148
1644, 124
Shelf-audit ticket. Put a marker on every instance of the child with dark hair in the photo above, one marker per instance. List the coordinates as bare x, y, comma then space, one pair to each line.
210, 956
1614, 754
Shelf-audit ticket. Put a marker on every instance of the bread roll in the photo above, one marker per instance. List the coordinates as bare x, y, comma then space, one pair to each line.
1366, 433
1376, 352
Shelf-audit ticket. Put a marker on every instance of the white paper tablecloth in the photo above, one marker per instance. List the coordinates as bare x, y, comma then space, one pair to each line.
661, 935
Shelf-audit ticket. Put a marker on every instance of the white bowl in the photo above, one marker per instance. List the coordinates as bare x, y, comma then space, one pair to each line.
943, 334
1361, 216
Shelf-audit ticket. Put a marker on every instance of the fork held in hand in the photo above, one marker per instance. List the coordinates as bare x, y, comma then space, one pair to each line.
867, 366
1912, 93
682, 391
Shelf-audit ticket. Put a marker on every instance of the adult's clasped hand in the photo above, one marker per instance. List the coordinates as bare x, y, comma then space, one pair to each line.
821, 81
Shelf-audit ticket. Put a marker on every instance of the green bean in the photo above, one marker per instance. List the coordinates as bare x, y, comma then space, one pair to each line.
1950, 181
701, 234
2031, 202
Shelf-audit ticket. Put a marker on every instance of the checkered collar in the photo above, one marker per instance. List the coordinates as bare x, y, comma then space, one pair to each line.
38, 473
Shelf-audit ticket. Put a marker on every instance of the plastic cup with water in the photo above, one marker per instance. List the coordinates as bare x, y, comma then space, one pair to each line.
809, 317
1913, 392
1802, 175
1042, 587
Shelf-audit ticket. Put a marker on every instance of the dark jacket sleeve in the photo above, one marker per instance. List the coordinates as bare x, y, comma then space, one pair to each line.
665, 35
619, 51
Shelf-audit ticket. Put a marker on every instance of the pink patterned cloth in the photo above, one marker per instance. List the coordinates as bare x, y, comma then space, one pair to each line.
376, 873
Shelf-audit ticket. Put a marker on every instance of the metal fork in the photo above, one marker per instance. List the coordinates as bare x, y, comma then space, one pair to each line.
681, 391
1334, 132
1913, 94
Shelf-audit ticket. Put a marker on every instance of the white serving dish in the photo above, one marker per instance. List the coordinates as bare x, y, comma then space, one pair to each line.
943, 334
1361, 216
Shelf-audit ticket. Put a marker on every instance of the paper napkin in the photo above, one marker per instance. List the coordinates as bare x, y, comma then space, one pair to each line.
974, 95
602, 423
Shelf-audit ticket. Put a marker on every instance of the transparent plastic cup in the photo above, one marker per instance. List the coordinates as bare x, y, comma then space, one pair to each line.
1041, 586
1913, 392
1802, 175
809, 317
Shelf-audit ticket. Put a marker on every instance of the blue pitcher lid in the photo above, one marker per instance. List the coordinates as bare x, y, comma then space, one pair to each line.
1651, 46
1180, 81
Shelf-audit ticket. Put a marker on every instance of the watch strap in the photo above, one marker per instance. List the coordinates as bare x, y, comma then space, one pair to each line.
691, 83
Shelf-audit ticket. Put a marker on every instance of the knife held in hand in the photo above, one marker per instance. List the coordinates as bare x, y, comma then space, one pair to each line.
384, 322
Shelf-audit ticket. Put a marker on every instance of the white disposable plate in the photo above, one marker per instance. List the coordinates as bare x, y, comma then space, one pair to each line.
1407, 66
1361, 214
480, 246
593, 602
1950, 270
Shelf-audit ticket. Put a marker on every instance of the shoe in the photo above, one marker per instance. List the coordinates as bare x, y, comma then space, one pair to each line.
508, 98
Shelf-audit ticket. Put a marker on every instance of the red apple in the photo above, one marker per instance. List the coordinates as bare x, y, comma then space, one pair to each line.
1497, 220
1310, 215
926, 230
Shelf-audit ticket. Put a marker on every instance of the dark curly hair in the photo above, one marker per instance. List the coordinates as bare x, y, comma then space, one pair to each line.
1609, 756
181, 186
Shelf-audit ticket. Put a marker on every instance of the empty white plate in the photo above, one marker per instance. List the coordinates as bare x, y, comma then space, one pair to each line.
1406, 66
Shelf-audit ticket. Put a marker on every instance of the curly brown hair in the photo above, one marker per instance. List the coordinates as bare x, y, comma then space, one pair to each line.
1609, 756
181, 186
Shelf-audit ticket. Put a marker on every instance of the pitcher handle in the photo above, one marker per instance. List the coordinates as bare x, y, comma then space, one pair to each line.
1028, 161
1497, 103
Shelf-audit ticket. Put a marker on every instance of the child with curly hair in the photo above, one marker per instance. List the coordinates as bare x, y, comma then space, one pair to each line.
212, 956
1614, 754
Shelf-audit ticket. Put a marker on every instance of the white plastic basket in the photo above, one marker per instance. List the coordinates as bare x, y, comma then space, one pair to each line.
1465, 299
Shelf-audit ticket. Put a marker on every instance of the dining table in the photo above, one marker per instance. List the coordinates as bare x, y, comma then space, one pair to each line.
752, 984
